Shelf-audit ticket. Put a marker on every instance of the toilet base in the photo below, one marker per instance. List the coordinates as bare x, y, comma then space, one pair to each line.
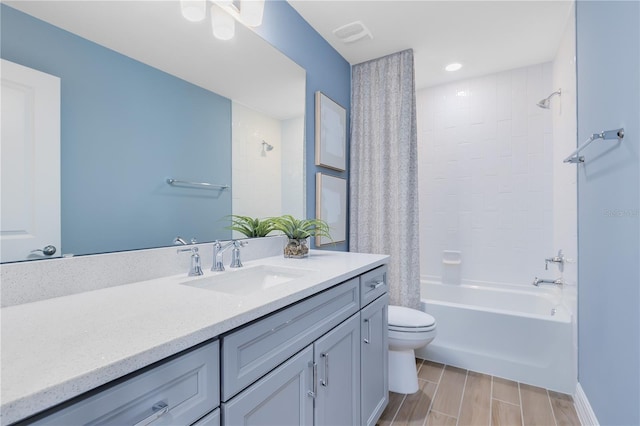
403, 375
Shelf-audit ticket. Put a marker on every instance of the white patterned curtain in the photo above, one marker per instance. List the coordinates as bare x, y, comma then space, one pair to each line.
384, 170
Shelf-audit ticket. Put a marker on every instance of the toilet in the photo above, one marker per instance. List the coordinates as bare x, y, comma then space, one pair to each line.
409, 329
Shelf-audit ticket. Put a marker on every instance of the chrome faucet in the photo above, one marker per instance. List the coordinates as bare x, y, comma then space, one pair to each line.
235, 254
537, 281
218, 254
559, 259
195, 269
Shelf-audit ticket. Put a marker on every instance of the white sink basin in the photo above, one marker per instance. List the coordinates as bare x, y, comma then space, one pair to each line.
248, 280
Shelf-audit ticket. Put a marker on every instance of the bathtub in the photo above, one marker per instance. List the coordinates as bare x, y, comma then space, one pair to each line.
518, 333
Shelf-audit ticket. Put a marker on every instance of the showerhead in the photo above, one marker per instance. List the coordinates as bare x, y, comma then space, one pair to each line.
266, 146
546, 102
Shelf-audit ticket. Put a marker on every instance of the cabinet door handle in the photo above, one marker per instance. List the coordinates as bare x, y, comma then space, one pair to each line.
367, 340
158, 410
376, 284
325, 381
314, 392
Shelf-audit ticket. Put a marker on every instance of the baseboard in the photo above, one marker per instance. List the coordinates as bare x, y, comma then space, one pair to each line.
585, 413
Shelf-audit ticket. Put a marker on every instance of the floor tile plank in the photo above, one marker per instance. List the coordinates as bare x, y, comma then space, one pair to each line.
416, 406
563, 409
476, 401
430, 371
506, 390
536, 407
505, 414
395, 400
439, 419
449, 395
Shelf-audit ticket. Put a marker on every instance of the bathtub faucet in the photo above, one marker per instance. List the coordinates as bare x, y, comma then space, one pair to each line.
537, 281
559, 259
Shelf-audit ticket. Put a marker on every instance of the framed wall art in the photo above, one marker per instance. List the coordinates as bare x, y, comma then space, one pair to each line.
331, 133
331, 206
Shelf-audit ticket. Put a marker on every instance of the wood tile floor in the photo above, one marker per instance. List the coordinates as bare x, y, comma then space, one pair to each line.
450, 396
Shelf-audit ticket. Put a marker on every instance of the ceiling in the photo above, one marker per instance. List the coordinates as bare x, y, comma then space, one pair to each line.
484, 36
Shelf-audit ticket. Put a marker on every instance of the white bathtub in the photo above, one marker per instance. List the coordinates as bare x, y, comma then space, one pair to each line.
512, 332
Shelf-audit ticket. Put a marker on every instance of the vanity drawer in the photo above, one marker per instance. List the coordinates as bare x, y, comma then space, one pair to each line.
251, 352
373, 284
181, 390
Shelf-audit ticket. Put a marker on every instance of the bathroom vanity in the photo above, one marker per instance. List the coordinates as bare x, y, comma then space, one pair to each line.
309, 349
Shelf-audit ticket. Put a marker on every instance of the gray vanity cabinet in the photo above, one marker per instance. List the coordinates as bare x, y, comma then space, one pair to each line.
337, 357
178, 391
283, 397
374, 360
328, 371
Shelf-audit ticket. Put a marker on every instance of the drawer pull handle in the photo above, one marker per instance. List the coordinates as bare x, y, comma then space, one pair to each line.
314, 392
376, 284
367, 340
325, 381
159, 409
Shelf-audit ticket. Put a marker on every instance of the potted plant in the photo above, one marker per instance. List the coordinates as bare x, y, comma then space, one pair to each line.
298, 231
252, 227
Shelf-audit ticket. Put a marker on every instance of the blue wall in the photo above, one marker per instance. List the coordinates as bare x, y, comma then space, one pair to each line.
327, 72
608, 57
114, 174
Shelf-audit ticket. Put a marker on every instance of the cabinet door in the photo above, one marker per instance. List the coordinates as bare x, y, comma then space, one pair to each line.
375, 359
281, 398
337, 356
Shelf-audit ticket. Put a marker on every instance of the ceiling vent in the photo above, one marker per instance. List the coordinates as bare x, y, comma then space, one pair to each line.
352, 32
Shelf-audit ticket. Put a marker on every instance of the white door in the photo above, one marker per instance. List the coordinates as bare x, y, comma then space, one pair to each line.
30, 160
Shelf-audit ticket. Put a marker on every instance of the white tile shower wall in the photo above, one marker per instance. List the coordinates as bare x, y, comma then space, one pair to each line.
486, 170
251, 196
293, 175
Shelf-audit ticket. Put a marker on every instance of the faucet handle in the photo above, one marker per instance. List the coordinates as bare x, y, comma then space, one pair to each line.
240, 243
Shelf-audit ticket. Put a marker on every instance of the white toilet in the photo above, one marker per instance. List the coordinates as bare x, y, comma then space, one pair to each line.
409, 329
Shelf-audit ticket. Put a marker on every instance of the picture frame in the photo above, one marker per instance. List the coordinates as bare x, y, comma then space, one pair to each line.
331, 133
331, 206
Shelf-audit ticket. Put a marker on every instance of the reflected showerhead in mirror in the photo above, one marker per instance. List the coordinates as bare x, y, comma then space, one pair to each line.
546, 102
266, 147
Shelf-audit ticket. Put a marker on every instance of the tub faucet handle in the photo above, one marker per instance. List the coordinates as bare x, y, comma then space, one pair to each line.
559, 259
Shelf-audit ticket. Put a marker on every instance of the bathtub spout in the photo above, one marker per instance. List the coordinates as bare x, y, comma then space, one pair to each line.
537, 281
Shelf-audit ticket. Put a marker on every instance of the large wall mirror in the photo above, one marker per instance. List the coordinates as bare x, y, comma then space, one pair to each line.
145, 96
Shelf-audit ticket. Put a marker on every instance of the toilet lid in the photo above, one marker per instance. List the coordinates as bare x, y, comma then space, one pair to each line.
400, 316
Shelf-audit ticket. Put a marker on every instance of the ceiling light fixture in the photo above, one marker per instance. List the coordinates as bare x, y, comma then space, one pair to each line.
193, 10
453, 67
224, 14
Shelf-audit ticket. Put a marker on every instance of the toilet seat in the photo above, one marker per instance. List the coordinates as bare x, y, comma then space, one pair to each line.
409, 320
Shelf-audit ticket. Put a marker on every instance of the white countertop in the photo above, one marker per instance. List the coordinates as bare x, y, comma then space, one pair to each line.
56, 349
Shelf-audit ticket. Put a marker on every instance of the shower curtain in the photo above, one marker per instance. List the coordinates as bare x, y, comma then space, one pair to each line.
384, 170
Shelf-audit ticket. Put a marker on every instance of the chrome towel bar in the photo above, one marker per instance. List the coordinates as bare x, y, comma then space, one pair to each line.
607, 134
203, 185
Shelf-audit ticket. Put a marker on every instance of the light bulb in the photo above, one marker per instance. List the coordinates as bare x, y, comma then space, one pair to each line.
193, 10
453, 67
223, 24
251, 12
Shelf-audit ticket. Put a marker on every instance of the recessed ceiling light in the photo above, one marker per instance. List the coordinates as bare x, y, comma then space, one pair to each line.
453, 67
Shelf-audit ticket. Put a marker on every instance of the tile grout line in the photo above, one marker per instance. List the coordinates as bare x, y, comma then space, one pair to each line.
491, 403
434, 394
521, 405
393, 419
553, 413
464, 387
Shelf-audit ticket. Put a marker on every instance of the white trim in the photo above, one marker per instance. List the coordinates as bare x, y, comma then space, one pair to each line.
585, 413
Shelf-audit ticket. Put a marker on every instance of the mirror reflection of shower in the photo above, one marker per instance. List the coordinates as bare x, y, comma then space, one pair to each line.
546, 102
266, 147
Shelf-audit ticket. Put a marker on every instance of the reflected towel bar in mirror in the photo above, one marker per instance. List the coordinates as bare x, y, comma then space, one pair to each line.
203, 185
